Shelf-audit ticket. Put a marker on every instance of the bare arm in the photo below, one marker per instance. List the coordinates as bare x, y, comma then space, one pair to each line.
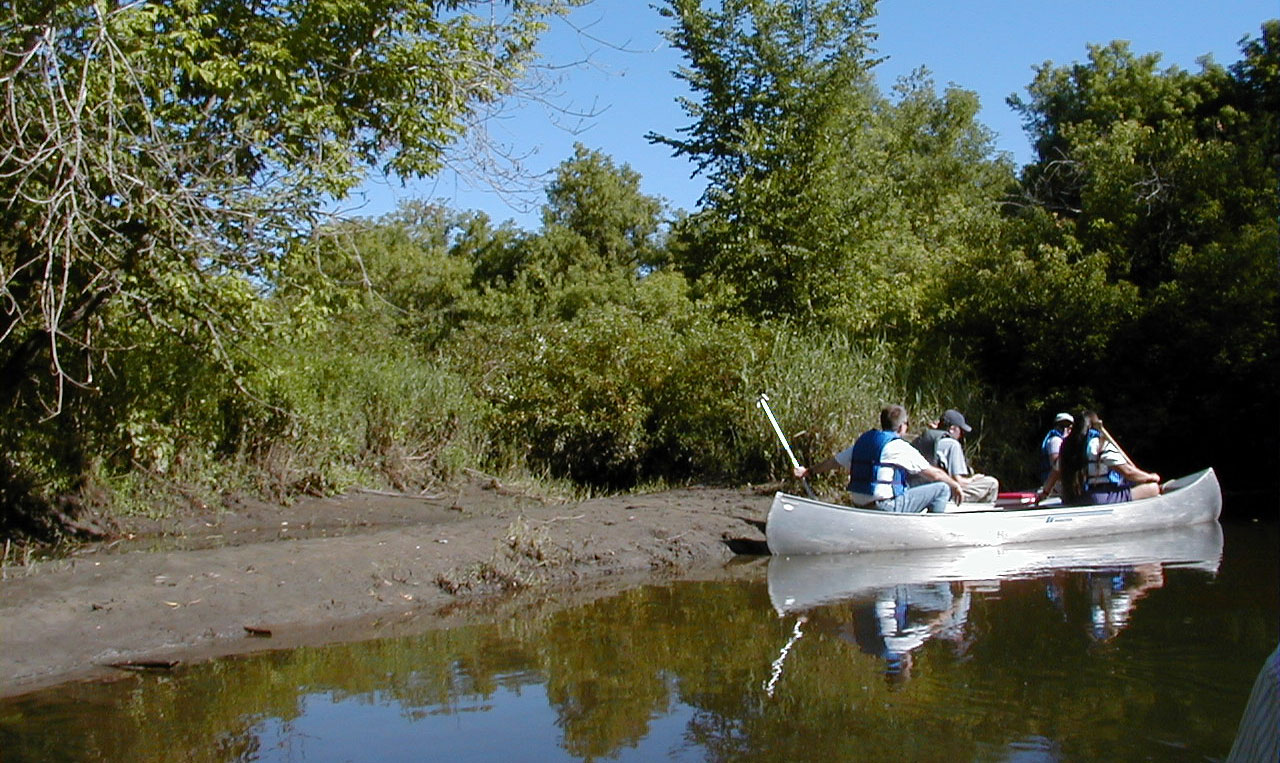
830, 465
1136, 475
934, 474
1054, 477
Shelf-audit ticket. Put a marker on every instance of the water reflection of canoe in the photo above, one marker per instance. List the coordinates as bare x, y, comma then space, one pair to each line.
799, 583
799, 525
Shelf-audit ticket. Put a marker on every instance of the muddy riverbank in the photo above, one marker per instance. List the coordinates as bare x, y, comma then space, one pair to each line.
252, 576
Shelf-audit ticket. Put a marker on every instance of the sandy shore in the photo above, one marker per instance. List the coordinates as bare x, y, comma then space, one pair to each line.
254, 576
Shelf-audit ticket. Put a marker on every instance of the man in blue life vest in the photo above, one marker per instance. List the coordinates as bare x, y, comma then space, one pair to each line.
1051, 445
941, 447
880, 463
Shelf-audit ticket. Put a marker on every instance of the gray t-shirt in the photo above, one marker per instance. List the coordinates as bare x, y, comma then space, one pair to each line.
951, 457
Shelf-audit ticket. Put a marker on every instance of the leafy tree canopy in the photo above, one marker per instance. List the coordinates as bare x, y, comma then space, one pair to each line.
826, 201
159, 154
1152, 226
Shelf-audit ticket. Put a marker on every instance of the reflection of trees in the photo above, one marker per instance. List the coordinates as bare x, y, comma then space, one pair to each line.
609, 668
605, 675
213, 711
612, 666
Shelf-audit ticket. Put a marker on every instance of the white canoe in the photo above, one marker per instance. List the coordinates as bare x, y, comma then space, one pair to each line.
800, 583
798, 525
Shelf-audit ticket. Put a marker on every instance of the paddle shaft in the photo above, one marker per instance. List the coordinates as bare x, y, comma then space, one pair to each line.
1107, 435
764, 403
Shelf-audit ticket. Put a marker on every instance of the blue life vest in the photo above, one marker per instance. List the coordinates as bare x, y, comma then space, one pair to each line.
1046, 465
1099, 476
868, 474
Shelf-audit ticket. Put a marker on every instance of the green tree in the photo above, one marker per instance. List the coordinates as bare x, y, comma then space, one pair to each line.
931, 186
595, 360
158, 157
159, 152
827, 202
777, 82
600, 233
408, 266
1161, 187
602, 203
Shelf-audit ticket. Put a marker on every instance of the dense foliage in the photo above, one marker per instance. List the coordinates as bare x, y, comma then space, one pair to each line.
1144, 254
826, 201
178, 318
158, 158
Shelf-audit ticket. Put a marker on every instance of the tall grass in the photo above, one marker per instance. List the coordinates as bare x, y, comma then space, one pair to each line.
615, 398
827, 388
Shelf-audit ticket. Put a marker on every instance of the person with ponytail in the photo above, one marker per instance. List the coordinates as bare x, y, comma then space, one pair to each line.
1092, 469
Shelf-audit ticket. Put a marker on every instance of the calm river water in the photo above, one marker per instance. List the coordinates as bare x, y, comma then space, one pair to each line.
1141, 647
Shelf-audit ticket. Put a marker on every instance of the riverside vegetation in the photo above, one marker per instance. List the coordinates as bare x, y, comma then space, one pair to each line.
181, 322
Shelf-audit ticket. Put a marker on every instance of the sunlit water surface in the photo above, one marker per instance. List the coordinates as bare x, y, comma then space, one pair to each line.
1140, 647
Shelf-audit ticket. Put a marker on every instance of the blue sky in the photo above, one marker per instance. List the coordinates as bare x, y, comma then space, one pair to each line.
988, 46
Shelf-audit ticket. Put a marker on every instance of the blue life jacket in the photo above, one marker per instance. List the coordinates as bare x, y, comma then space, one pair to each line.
1046, 465
868, 474
1099, 476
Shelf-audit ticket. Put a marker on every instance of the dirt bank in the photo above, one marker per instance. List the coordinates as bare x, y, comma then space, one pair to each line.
253, 576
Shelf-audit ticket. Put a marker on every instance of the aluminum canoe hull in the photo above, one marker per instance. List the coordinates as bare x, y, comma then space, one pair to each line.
799, 526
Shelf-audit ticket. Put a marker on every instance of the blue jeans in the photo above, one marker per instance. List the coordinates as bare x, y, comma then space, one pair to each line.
932, 496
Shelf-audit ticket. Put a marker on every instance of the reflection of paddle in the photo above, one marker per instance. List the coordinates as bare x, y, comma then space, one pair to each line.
763, 402
782, 656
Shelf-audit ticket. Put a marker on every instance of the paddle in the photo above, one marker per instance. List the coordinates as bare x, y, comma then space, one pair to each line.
1107, 435
763, 402
1132, 463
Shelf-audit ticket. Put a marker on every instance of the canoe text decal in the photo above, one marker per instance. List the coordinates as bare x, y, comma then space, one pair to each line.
1068, 517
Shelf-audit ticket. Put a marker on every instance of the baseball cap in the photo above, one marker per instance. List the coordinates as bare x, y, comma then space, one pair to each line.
1063, 418
952, 417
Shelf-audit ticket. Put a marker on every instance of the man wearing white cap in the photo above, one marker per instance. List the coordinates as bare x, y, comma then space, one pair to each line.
1051, 446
